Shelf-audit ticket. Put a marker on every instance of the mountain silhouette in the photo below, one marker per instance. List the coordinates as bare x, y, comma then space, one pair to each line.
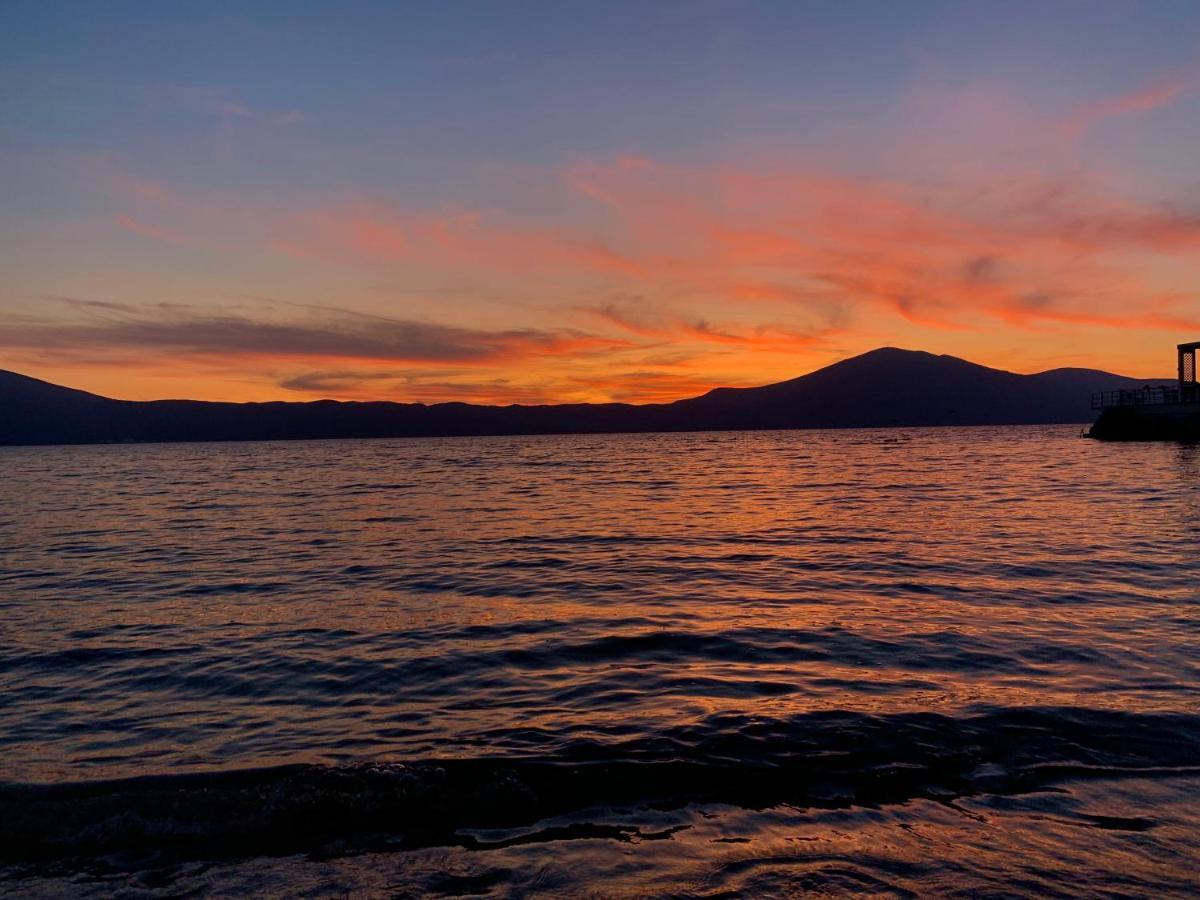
883, 388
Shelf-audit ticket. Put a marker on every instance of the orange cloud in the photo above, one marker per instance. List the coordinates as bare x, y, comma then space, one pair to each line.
330, 336
678, 329
372, 234
947, 255
646, 386
941, 255
422, 385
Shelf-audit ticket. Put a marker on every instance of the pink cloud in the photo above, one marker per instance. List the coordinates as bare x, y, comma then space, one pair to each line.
679, 328
1019, 249
153, 232
942, 255
1152, 96
373, 234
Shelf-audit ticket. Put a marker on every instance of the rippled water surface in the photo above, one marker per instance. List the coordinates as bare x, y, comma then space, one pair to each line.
937, 661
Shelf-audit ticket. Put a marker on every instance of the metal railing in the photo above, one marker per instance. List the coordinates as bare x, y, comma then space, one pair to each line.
1161, 395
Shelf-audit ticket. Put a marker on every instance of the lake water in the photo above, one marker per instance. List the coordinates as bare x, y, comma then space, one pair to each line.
949, 662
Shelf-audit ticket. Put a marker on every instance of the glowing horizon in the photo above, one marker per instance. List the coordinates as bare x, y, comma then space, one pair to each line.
563, 207
333, 378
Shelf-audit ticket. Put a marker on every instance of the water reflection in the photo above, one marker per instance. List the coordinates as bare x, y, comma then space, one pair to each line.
198, 607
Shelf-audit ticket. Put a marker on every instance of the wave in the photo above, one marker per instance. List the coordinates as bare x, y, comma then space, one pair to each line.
456, 649
821, 760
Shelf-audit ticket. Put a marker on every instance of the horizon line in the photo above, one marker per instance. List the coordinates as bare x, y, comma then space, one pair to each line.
876, 350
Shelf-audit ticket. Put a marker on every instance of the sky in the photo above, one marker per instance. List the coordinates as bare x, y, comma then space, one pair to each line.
514, 202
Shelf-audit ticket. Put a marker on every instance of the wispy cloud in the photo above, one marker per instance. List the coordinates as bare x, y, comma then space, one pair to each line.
946, 255
634, 319
818, 244
224, 105
344, 336
416, 385
1157, 94
153, 232
375, 234
341, 381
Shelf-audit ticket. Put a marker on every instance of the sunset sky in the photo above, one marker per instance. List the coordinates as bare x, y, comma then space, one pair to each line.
529, 202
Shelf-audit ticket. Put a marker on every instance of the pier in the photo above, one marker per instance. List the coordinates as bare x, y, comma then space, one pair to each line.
1153, 412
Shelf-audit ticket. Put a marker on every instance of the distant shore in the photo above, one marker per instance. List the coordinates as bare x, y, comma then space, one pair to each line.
886, 388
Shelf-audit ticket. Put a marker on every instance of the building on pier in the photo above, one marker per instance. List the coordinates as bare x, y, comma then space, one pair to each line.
1153, 412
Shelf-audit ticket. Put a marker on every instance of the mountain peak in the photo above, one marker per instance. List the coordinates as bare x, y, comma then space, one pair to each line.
892, 364
890, 351
903, 355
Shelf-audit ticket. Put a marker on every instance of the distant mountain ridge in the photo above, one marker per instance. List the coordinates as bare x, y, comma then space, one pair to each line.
887, 387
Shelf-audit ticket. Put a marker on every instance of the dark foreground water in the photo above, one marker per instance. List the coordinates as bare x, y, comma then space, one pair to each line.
954, 662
